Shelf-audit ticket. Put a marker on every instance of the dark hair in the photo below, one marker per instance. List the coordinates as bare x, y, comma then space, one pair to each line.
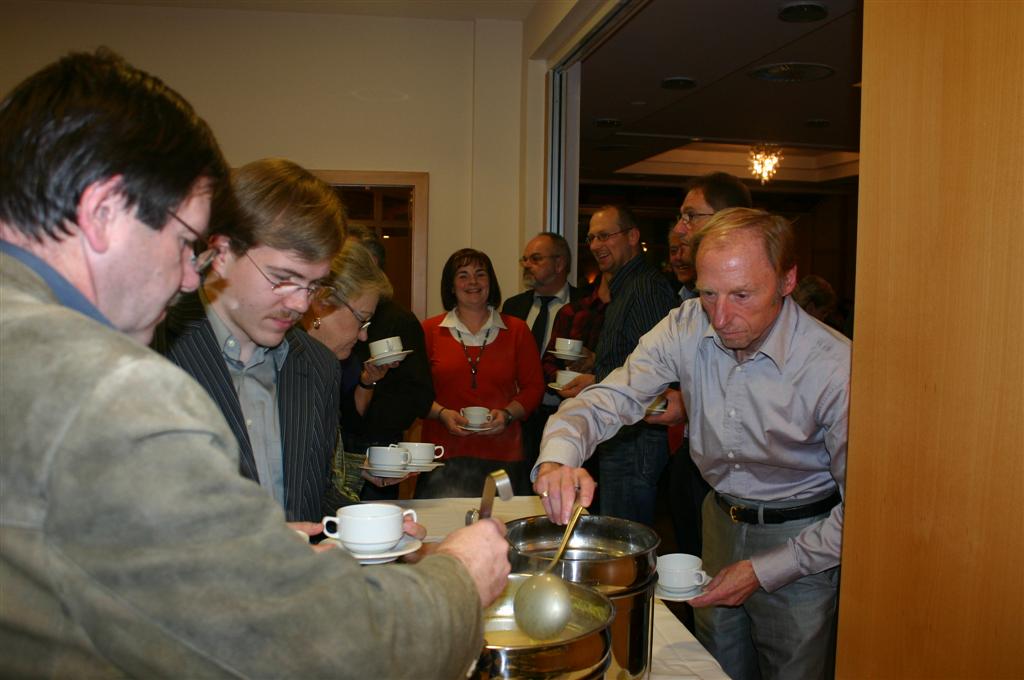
816, 291
90, 117
561, 247
460, 258
280, 204
624, 217
721, 190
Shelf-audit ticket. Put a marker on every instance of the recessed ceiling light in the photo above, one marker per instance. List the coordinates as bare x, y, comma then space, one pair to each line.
791, 72
678, 83
608, 123
802, 11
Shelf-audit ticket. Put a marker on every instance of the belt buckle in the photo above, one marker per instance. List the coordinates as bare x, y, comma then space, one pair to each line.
734, 514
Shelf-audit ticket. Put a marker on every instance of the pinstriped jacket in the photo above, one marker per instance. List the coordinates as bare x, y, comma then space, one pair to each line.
308, 391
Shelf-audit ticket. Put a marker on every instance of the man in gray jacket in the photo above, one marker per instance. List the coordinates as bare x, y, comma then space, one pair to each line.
130, 544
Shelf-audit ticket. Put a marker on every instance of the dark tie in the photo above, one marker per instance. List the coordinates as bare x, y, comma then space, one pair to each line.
540, 324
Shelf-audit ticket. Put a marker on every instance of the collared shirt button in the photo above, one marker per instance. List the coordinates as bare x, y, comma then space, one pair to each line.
248, 422
231, 343
731, 455
736, 467
732, 413
739, 369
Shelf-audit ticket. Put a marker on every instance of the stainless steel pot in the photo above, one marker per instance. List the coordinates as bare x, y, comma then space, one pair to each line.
581, 652
614, 556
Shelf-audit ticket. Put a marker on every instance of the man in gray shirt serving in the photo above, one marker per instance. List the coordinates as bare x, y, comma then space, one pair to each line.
767, 389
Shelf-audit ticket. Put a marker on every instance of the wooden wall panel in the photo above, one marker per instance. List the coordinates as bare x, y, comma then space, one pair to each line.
933, 556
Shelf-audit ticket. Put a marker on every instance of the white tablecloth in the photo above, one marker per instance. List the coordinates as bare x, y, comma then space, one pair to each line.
675, 652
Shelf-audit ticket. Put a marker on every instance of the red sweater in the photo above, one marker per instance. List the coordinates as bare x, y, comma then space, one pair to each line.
509, 369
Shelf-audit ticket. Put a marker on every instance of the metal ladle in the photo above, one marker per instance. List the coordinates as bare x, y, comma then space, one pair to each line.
542, 605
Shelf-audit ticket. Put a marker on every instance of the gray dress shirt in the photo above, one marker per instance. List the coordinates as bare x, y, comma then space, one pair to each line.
772, 428
255, 383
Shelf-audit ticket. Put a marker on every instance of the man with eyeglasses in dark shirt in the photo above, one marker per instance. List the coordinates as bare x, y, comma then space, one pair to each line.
278, 388
631, 462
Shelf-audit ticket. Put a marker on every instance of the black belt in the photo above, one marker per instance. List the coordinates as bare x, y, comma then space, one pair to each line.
750, 514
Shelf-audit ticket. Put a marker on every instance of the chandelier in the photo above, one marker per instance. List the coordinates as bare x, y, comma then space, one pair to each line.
764, 161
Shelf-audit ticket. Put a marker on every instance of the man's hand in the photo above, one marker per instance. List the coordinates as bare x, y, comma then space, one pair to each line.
730, 587
675, 413
576, 385
557, 486
483, 550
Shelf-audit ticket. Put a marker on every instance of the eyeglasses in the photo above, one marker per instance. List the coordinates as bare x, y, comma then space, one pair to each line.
206, 254
536, 258
604, 236
285, 288
365, 323
689, 217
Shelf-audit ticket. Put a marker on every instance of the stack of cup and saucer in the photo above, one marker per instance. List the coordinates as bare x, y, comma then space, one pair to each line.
568, 349
371, 532
563, 378
423, 456
399, 460
387, 351
680, 577
479, 418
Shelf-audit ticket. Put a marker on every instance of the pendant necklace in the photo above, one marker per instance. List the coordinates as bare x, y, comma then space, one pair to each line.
469, 360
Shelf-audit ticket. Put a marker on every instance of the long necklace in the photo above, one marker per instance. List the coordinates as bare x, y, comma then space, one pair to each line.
469, 360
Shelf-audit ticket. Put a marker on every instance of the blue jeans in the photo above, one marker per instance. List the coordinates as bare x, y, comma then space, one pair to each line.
630, 464
789, 633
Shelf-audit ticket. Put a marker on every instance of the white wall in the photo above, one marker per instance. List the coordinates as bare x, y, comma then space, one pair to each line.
329, 92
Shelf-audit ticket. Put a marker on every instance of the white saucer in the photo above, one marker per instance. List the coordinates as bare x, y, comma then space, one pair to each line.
392, 472
556, 386
677, 595
566, 356
423, 467
389, 358
475, 428
407, 545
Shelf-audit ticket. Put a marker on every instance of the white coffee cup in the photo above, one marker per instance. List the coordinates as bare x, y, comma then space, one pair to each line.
368, 527
568, 346
478, 416
679, 571
422, 452
386, 346
393, 456
565, 377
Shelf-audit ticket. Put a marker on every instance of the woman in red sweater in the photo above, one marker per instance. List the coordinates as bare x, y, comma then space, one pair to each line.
478, 357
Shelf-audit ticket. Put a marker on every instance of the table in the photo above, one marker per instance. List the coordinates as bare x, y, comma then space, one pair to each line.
675, 652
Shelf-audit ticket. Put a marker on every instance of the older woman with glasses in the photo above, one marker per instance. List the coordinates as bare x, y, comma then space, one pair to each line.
339, 316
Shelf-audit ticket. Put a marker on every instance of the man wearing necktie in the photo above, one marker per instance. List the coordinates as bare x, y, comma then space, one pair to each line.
546, 262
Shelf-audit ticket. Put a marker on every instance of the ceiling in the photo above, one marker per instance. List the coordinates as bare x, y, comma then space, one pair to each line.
633, 129
451, 10
717, 43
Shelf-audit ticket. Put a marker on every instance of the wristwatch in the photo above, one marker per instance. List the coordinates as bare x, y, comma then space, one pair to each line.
508, 416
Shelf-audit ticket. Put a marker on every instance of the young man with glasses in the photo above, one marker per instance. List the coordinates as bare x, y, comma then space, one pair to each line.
631, 462
277, 387
546, 263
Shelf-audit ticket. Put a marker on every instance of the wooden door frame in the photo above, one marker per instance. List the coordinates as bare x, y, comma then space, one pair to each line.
419, 183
